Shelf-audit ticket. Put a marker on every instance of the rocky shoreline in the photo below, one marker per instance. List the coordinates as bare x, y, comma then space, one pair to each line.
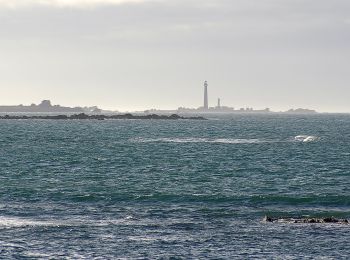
83, 116
306, 220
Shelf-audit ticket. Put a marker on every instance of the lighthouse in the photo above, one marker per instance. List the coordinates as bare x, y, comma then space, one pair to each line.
206, 107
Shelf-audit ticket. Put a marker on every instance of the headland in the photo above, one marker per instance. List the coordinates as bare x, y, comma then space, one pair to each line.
46, 107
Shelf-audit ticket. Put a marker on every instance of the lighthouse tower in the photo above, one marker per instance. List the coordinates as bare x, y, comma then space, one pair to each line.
206, 106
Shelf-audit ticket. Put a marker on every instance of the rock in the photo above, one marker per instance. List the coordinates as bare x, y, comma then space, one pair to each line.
83, 116
306, 220
175, 116
268, 219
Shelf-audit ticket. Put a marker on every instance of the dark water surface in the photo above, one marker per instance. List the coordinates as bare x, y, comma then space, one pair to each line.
174, 189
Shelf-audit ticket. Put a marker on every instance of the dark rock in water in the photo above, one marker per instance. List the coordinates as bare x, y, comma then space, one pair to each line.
79, 116
175, 116
331, 220
305, 220
268, 219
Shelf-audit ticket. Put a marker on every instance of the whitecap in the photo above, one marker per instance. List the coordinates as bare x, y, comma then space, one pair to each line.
306, 138
143, 238
9, 222
202, 140
238, 141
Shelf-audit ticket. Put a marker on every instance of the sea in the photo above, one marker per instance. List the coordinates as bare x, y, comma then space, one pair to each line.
175, 189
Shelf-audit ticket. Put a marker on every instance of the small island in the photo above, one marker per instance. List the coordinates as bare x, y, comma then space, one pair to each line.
301, 111
83, 116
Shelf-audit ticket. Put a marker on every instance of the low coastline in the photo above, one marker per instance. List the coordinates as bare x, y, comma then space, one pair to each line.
83, 116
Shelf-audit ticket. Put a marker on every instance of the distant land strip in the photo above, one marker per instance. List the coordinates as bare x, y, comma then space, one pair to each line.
83, 116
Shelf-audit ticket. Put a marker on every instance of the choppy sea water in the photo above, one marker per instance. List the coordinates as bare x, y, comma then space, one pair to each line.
138, 189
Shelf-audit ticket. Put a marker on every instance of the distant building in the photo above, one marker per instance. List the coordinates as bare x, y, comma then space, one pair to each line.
206, 106
45, 103
206, 109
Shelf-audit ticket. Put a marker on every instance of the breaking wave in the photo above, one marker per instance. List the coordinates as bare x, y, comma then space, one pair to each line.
23, 222
299, 138
18, 222
306, 138
202, 140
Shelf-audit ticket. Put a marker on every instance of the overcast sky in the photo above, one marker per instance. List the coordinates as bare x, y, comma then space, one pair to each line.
132, 55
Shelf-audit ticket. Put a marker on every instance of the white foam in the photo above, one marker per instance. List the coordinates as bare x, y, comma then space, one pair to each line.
143, 238
201, 140
239, 141
17, 222
22, 222
306, 138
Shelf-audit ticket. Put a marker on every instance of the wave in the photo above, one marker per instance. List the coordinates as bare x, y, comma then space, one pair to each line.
244, 200
10, 222
18, 222
298, 138
202, 140
306, 138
